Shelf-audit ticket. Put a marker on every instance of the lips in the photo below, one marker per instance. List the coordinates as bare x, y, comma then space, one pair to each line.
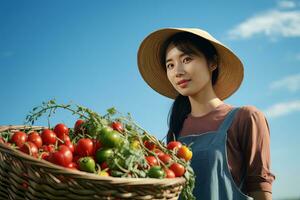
183, 81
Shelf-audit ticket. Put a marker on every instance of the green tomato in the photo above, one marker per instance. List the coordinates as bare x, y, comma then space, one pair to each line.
116, 173
103, 154
156, 172
110, 138
87, 164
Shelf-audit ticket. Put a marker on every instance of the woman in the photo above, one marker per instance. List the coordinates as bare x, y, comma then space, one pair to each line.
231, 146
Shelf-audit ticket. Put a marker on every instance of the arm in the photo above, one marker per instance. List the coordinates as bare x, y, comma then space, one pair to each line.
260, 195
255, 143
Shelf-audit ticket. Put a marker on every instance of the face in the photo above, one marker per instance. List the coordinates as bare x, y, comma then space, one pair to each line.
189, 74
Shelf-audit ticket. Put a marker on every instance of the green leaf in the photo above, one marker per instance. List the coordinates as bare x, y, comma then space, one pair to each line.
112, 111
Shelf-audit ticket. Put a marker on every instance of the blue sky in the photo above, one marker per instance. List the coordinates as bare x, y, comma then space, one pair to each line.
85, 52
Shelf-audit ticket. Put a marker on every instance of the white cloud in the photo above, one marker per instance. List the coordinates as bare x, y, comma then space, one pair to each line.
291, 83
286, 4
272, 23
281, 109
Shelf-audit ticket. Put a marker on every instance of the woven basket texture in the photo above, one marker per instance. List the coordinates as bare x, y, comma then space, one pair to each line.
25, 177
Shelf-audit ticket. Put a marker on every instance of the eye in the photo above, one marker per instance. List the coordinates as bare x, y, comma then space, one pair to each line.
169, 66
186, 59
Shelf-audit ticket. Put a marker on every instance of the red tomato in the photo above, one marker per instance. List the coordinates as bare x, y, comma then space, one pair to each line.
96, 145
30, 148
169, 173
178, 169
117, 126
35, 138
158, 152
48, 137
19, 138
104, 166
76, 158
165, 158
152, 161
73, 165
185, 153
44, 155
62, 157
64, 140
84, 147
174, 145
48, 148
71, 146
149, 145
61, 130
78, 124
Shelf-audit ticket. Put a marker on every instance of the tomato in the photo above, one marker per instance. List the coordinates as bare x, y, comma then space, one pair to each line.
102, 155
185, 153
48, 148
156, 172
30, 148
19, 138
117, 126
78, 125
76, 158
61, 130
158, 152
48, 136
44, 155
174, 145
87, 164
64, 140
152, 161
2, 140
104, 165
109, 138
84, 147
135, 144
149, 145
35, 138
165, 158
70, 146
96, 145
169, 173
103, 173
72, 165
62, 157
178, 169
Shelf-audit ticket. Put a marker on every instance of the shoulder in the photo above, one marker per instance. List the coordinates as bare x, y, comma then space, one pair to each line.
249, 116
250, 111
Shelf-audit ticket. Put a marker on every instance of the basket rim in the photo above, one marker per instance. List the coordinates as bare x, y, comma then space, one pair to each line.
82, 174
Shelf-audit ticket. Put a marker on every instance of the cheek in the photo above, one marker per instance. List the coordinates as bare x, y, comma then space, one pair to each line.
171, 78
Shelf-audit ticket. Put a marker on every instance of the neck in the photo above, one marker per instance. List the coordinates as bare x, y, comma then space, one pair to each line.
204, 102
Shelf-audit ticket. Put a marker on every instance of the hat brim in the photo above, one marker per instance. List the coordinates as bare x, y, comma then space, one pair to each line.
231, 71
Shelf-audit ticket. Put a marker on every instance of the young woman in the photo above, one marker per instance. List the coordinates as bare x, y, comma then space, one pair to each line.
231, 146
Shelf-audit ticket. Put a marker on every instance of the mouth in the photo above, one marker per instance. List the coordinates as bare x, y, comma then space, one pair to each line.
183, 83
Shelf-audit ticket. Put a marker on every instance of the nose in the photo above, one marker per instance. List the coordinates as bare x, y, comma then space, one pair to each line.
179, 71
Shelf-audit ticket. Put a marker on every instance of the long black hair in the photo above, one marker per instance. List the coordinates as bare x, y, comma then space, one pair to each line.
189, 44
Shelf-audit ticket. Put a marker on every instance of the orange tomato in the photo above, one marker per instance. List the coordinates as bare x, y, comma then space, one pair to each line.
185, 153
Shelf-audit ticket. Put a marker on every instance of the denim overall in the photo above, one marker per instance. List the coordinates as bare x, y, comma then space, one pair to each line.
213, 178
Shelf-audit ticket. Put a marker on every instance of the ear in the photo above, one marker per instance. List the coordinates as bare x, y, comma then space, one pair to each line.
213, 64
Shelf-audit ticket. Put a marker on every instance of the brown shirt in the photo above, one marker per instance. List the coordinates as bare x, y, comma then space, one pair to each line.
248, 143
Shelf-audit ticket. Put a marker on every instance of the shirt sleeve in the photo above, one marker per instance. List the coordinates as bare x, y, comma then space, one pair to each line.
255, 143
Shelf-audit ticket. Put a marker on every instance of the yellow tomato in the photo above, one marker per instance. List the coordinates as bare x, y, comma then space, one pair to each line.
185, 153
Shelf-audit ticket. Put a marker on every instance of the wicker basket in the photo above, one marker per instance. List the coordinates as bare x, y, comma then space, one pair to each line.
25, 177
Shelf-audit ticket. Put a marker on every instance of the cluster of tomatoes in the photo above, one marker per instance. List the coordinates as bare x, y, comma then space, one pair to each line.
91, 154
163, 165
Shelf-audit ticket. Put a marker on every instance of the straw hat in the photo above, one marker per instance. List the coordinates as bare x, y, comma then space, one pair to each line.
231, 69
